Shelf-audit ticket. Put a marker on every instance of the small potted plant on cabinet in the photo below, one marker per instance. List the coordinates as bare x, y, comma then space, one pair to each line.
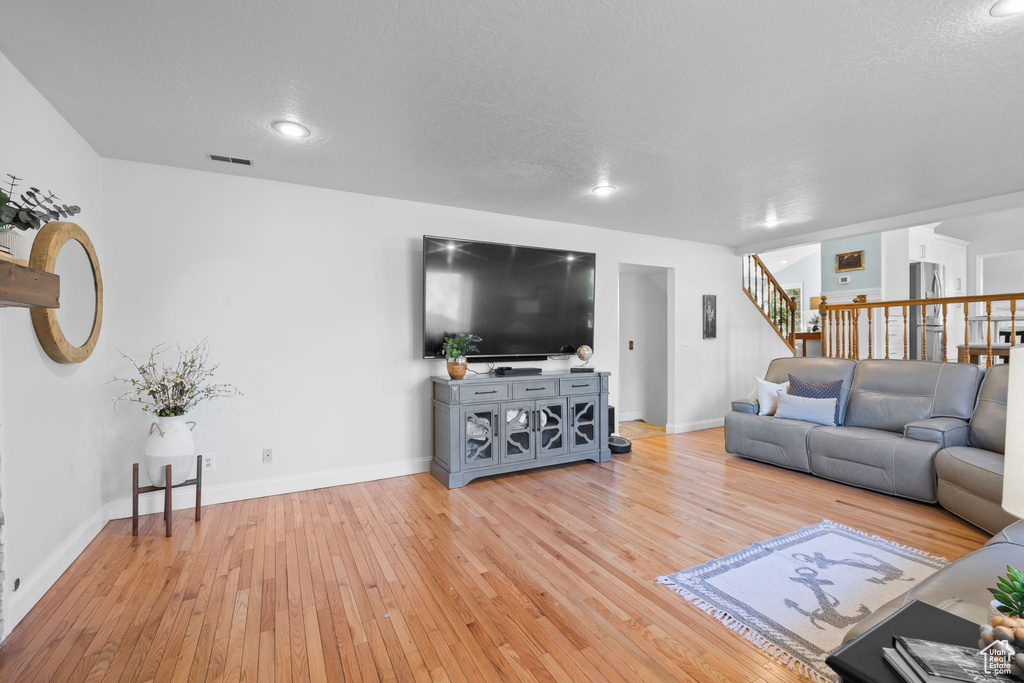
455, 350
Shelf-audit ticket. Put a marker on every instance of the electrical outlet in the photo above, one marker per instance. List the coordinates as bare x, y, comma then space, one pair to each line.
209, 462
268, 456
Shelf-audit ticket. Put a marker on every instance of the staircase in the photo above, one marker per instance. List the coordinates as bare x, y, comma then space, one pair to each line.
766, 293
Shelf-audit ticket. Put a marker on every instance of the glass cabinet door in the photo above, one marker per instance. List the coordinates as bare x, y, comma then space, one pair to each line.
583, 414
519, 426
479, 428
551, 431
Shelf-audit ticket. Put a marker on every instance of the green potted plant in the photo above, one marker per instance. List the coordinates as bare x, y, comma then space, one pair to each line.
455, 350
29, 210
1006, 614
1009, 594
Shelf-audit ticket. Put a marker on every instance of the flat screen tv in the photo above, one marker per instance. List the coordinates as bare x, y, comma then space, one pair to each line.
523, 301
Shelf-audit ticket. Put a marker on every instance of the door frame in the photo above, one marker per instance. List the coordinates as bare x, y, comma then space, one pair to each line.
672, 323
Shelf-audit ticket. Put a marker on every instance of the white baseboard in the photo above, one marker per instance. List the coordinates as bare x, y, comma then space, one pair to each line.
629, 417
35, 586
683, 427
227, 493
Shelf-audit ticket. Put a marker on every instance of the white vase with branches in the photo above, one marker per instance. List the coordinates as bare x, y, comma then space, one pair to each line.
170, 392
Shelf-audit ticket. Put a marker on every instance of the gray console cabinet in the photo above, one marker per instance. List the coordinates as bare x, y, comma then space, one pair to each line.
487, 424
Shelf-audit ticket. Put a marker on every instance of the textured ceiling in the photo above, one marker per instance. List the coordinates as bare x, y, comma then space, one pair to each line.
708, 116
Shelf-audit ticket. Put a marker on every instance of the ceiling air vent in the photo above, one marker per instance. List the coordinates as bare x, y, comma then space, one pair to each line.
229, 160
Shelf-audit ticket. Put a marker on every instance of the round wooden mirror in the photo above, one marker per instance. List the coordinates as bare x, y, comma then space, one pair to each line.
45, 250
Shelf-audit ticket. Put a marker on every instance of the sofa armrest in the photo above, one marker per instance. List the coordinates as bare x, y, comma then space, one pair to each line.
1011, 534
945, 431
746, 405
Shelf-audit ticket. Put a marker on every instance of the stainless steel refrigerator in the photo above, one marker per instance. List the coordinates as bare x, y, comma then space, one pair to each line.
927, 281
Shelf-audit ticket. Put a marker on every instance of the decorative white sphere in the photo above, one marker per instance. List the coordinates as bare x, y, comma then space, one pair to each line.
584, 353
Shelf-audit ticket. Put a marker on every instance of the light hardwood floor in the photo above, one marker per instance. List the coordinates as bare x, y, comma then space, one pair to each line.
638, 429
547, 575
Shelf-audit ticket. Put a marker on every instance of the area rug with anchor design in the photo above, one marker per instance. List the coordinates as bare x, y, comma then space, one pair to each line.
795, 596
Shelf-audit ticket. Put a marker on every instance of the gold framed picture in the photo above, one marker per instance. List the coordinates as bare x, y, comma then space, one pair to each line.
851, 260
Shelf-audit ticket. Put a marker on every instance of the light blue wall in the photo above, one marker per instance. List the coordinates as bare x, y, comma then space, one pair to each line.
869, 278
808, 271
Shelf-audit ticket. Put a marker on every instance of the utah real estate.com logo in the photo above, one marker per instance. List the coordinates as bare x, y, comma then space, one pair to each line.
998, 658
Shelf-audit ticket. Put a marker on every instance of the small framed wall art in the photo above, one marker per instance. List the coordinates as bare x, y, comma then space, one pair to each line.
710, 308
851, 260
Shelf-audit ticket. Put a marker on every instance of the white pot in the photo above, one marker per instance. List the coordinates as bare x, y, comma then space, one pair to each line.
19, 242
171, 443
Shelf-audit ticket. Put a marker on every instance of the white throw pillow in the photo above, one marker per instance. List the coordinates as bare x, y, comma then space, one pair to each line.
818, 410
768, 396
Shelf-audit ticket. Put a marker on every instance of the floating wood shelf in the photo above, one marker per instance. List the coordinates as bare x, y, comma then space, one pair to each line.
27, 287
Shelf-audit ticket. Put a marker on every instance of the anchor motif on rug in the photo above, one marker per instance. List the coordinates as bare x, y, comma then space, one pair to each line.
827, 604
888, 571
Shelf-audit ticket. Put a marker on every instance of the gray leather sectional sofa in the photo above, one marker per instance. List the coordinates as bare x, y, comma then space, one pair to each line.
895, 416
970, 476
970, 484
922, 430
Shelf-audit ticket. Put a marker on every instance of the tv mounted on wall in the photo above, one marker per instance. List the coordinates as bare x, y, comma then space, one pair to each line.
525, 302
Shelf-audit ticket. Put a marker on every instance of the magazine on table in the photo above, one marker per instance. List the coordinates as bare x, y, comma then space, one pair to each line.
924, 661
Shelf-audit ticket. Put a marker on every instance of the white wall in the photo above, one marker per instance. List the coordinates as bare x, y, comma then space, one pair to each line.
805, 272
54, 416
643, 371
989, 233
1002, 273
896, 264
311, 300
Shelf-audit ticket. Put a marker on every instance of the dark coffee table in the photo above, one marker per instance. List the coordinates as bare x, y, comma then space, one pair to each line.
860, 660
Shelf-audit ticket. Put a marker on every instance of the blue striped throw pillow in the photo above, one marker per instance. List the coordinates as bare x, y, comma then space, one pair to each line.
799, 387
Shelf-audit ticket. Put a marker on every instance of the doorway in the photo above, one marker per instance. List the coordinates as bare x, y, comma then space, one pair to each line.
1000, 273
645, 293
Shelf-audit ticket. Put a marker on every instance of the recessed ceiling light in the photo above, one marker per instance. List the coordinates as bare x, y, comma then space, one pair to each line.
772, 223
603, 190
1007, 8
570, 257
785, 260
290, 129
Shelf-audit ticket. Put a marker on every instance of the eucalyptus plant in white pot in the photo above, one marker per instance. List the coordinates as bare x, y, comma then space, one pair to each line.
26, 211
170, 392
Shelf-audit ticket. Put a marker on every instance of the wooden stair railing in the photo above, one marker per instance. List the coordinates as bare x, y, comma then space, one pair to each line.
843, 325
775, 305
